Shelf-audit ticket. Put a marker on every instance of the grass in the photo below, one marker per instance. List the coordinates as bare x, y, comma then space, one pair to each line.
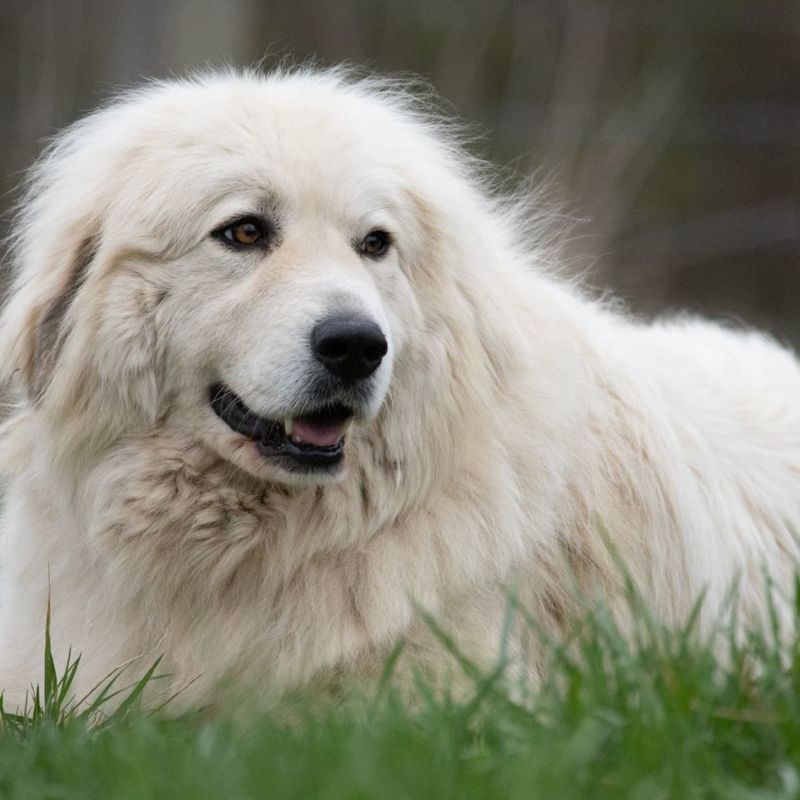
648, 716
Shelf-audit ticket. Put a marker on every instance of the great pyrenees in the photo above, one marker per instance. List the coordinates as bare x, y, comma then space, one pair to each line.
288, 371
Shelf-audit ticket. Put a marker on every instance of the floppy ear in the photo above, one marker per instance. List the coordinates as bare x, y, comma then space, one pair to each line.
32, 325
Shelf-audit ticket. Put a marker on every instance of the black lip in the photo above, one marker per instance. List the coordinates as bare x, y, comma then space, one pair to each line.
272, 442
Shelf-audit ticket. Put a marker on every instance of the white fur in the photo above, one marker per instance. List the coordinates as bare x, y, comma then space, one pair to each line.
514, 427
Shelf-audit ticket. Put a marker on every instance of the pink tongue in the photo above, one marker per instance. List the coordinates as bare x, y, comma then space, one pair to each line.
317, 432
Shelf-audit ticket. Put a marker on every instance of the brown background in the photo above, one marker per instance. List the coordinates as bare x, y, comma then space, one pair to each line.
668, 131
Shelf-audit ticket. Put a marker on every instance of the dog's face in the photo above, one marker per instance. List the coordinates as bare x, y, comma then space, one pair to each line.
296, 342
285, 315
245, 263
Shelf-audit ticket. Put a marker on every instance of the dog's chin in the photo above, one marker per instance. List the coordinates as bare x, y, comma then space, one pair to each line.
306, 448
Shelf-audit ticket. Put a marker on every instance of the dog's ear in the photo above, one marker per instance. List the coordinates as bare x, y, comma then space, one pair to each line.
50, 273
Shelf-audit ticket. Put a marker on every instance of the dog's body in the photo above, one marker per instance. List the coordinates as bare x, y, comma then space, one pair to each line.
506, 429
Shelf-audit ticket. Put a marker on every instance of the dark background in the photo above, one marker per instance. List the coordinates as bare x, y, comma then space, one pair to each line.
669, 132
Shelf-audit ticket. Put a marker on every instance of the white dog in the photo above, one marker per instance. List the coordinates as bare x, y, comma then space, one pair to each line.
288, 371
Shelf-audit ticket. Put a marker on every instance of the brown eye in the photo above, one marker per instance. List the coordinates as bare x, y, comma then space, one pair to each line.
375, 244
244, 232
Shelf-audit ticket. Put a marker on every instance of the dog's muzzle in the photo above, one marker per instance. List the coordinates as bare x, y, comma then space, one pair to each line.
350, 347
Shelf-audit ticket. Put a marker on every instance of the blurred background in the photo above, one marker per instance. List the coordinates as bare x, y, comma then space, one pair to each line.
668, 131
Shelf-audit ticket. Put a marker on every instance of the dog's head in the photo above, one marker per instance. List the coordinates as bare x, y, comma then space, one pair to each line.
255, 260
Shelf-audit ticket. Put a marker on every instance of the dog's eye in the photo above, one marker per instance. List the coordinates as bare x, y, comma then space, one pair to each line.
375, 244
244, 232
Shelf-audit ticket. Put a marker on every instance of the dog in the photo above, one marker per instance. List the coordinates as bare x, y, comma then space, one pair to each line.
288, 370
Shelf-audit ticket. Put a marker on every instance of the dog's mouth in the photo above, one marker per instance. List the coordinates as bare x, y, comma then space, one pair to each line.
309, 441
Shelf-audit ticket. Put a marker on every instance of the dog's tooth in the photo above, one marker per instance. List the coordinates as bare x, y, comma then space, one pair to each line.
347, 424
288, 426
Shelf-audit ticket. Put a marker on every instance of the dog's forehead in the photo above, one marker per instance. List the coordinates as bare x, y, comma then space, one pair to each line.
291, 137
299, 120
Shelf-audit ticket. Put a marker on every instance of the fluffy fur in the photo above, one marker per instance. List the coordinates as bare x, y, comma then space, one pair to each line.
514, 428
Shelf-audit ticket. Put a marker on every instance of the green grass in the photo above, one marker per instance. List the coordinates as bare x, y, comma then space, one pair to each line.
651, 716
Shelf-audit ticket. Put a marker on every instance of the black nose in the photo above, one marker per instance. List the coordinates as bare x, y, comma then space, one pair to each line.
350, 346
